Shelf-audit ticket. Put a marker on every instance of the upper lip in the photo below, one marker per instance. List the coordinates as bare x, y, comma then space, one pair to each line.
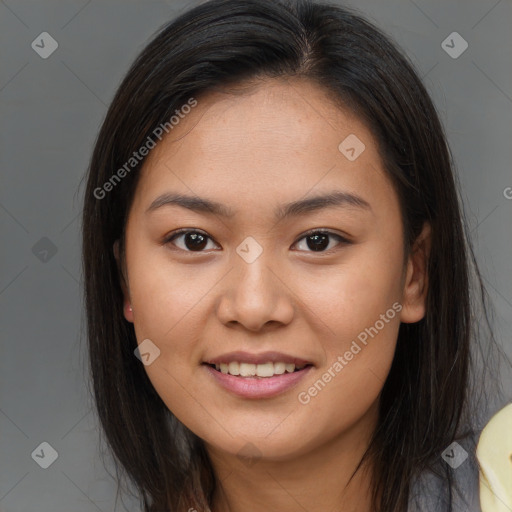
264, 357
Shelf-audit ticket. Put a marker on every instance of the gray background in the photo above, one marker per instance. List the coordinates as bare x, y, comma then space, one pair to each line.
51, 110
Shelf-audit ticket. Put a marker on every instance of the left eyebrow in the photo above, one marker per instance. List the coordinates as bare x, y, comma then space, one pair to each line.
335, 198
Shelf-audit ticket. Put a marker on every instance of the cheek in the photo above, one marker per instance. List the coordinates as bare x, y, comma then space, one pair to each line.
357, 360
167, 297
357, 311
171, 304
346, 299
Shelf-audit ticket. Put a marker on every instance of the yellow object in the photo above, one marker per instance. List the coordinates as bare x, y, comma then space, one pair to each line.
494, 453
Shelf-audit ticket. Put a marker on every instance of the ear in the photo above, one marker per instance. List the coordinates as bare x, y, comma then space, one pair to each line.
416, 280
127, 307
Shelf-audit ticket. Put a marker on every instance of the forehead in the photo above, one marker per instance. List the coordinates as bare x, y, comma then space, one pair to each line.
263, 141
283, 114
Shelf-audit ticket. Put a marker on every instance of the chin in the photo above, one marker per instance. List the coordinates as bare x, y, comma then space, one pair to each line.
252, 445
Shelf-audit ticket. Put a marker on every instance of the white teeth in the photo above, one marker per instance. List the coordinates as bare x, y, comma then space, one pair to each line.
247, 369
234, 368
265, 370
279, 368
260, 370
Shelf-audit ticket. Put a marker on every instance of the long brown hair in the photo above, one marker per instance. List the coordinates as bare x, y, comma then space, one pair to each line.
227, 41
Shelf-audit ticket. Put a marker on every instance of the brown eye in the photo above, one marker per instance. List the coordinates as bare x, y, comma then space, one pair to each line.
319, 241
192, 240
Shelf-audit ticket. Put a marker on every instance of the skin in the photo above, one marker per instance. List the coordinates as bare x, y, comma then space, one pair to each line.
270, 143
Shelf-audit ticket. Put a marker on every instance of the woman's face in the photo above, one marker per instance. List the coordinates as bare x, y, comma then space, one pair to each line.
250, 287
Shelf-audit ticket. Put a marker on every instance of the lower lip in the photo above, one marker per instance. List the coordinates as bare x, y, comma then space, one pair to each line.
258, 387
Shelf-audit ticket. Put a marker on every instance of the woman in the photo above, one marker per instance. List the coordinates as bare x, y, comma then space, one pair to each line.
277, 276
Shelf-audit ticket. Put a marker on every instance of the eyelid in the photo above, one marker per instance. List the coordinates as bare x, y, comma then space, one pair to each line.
325, 231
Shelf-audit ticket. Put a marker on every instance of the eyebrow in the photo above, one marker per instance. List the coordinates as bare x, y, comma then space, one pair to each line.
332, 199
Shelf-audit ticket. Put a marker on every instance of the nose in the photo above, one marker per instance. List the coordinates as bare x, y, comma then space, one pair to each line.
256, 295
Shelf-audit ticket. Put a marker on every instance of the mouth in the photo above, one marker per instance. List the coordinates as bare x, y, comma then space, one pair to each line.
257, 375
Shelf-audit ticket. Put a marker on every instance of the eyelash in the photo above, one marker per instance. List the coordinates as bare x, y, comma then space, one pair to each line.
342, 240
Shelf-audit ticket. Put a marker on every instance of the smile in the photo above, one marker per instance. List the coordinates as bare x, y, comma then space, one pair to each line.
255, 376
